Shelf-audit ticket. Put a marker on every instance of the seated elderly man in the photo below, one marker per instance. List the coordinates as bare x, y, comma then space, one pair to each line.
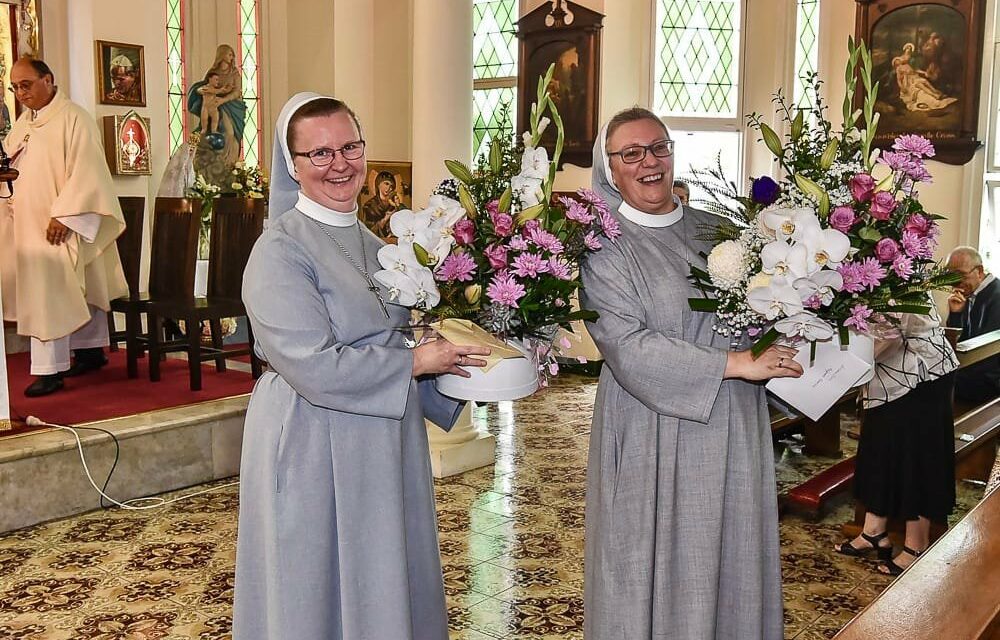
974, 307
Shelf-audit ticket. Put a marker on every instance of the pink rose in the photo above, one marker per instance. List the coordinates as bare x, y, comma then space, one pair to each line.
842, 218
493, 207
497, 255
862, 187
883, 204
503, 224
886, 250
465, 231
919, 225
529, 227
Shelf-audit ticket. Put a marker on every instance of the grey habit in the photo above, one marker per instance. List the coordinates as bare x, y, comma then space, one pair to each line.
681, 514
337, 528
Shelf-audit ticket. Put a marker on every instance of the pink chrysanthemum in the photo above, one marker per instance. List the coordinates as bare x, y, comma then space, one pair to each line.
590, 197
518, 243
871, 273
918, 145
529, 265
545, 240
915, 246
578, 212
859, 318
457, 266
813, 302
903, 267
610, 225
505, 290
852, 277
559, 269
591, 241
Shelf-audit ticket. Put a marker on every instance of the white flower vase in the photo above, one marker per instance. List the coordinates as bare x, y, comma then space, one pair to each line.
510, 379
201, 278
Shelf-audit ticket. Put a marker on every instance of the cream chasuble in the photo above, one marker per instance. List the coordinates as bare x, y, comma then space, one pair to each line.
46, 288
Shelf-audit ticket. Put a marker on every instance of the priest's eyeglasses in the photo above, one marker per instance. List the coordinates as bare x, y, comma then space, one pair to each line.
323, 156
22, 87
637, 152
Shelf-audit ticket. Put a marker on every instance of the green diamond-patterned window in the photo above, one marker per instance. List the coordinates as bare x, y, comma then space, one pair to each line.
494, 64
697, 63
249, 54
806, 48
176, 81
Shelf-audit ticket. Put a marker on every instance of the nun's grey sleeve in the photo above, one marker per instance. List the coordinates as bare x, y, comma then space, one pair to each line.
669, 375
292, 327
438, 408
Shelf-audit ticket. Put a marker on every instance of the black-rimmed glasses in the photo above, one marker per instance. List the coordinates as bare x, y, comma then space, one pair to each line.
323, 156
637, 152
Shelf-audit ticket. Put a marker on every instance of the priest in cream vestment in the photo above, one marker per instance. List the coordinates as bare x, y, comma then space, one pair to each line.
62, 224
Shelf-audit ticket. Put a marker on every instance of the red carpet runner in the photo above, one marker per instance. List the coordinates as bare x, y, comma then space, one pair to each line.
109, 393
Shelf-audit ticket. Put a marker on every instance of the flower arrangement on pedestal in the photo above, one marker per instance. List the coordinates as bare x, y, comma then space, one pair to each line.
247, 182
836, 246
501, 253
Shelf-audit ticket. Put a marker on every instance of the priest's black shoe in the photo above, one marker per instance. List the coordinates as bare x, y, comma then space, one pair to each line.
86, 360
44, 385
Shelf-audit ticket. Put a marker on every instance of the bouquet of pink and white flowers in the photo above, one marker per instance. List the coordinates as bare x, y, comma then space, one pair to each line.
837, 245
494, 246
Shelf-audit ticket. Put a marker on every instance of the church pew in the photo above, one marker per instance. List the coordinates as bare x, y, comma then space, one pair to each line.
822, 437
950, 592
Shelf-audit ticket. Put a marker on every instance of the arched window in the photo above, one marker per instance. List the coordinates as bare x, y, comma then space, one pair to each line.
249, 54
176, 80
494, 60
806, 48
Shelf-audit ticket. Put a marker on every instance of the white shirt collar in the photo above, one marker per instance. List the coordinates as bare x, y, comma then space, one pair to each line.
644, 219
326, 215
985, 283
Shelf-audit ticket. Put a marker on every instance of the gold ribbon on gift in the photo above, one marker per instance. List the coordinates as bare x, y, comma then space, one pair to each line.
469, 334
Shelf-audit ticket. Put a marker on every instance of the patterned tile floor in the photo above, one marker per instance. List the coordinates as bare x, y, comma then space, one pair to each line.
511, 547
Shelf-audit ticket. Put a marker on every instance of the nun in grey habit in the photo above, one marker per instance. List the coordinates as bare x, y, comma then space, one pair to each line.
681, 514
337, 528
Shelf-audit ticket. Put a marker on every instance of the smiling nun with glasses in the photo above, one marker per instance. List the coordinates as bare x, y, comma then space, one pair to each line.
337, 532
682, 514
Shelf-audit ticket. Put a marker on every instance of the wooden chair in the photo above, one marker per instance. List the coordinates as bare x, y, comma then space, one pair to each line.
130, 251
236, 225
173, 253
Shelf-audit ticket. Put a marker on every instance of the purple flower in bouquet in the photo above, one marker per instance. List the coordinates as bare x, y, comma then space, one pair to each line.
591, 198
518, 243
842, 218
493, 208
457, 266
505, 290
577, 211
497, 255
919, 225
764, 191
611, 228
503, 223
859, 317
917, 145
545, 240
813, 302
529, 227
903, 266
917, 247
862, 187
871, 273
851, 273
883, 204
560, 269
465, 231
530, 265
908, 164
886, 250
591, 241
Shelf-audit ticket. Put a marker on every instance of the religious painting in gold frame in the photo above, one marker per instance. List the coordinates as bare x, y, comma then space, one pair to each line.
126, 144
121, 74
20, 35
388, 188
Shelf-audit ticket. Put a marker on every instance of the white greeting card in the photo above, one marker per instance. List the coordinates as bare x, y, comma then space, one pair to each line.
823, 382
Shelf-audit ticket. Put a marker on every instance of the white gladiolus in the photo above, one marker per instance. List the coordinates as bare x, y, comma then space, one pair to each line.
804, 325
776, 300
726, 264
528, 191
782, 259
535, 163
784, 221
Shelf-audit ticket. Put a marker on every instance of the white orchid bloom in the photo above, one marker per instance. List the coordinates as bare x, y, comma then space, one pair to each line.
404, 224
527, 190
782, 259
825, 247
437, 240
776, 300
784, 221
804, 325
535, 163
822, 284
399, 257
444, 211
413, 289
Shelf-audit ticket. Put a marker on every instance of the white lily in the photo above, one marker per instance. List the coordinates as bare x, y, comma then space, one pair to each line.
784, 221
535, 163
399, 257
825, 247
527, 190
413, 289
778, 299
823, 284
782, 259
805, 325
404, 224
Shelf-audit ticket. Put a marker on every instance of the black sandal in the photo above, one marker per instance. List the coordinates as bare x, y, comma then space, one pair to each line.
883, 553
893, 569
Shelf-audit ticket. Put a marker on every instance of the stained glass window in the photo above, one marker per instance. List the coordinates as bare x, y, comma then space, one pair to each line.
697, 58
494, 62
806, 48
176, 81
249, 54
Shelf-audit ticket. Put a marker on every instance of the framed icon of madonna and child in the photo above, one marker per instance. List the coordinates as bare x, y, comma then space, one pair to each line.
927, 59
388, 188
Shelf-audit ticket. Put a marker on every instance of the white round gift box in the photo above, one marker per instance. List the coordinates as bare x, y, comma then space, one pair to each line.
510, 379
